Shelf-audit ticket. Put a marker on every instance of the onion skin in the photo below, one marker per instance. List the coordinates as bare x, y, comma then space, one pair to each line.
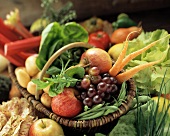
120, 35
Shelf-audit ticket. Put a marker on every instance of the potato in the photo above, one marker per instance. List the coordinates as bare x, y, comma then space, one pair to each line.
30, 65
37, 76
31, 88
46, 100
46, 90
22, 77
18, 68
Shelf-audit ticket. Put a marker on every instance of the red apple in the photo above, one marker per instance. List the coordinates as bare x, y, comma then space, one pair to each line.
66, 104
45, 127
96, 57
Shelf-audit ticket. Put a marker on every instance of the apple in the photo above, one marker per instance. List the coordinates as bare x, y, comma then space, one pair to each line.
66, 104
45, 127
96, 57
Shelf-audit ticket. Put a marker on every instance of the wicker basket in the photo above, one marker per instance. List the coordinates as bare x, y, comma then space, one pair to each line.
85, 125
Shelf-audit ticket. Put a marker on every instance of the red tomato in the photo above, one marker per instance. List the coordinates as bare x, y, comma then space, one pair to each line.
99, 39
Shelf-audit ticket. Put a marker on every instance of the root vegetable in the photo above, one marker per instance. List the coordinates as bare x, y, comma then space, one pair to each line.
37, 76
46, 90
119, 35
22, 77
116, 67
31, 88
30, 65
121, 61
19, 68
46, 100
129, 73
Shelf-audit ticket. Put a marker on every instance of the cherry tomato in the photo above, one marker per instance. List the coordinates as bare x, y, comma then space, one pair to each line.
99, 39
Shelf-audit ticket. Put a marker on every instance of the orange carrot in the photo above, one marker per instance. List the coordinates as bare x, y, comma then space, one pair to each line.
117, 67
121, 62
136, 53
130, 73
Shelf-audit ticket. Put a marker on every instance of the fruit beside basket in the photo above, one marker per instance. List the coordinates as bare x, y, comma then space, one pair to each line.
86, 90
74, 123
81, 79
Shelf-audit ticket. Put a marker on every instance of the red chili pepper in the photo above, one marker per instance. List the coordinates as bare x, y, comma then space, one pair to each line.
99, 39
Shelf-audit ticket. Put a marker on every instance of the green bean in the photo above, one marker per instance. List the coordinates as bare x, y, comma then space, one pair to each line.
91, 110
87, 115
140, 99
111, 109
106, 110
98, 114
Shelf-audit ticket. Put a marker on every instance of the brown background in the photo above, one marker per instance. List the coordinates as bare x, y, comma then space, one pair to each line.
153, 13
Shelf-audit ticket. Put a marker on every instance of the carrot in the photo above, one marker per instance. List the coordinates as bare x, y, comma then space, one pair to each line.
117, 67
136, 53
121, 62
130, 73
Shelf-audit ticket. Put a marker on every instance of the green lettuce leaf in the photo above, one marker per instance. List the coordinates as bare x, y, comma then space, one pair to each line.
150, 79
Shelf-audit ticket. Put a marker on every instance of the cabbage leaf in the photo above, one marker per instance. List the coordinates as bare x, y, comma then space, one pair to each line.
150, 79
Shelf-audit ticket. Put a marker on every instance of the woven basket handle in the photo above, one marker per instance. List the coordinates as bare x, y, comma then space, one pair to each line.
57, 54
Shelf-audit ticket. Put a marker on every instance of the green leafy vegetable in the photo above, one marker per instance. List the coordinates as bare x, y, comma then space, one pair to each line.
75, 71
55, 36
149, 79
66, 78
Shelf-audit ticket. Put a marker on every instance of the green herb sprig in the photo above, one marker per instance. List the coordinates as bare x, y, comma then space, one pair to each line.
58, 82
152, 122
62, 15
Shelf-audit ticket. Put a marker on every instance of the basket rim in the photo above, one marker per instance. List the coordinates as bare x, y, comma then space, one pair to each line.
92, 123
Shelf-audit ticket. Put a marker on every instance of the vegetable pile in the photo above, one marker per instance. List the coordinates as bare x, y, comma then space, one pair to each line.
150, 79
16, 42
75, 71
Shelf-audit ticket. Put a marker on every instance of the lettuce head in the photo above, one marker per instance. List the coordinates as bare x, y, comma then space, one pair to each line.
151, 79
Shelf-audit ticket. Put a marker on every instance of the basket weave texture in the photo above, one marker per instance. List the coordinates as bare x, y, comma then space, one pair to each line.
87, 125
